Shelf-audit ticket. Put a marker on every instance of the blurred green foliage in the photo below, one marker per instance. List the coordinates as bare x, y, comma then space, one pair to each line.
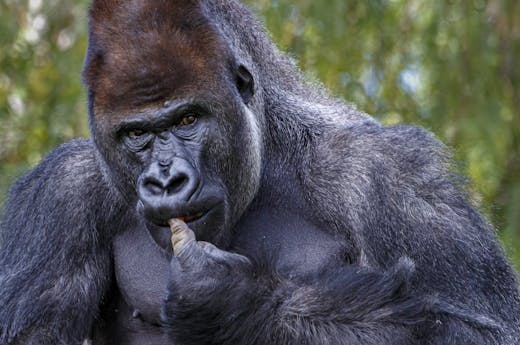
450, 66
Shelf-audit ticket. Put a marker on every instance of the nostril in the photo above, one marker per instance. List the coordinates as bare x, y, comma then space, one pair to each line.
153, 186
176, 184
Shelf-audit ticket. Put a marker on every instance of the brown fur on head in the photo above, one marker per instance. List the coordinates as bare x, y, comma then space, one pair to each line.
142, 53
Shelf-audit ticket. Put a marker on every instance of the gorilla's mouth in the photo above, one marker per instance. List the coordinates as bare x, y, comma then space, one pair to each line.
192, 218
186, 217
162, 212
202, 221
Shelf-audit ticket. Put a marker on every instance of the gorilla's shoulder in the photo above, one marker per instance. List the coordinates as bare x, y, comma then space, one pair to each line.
366, 154
67, 178
68, 166
76, 150
404, 147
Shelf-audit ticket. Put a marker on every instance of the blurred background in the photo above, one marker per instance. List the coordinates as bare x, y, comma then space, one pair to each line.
450, 66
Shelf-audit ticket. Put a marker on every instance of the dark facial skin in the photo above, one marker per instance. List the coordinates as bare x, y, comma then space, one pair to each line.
174, 182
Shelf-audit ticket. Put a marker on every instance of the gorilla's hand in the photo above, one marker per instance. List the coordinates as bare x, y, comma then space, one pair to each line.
199, 257
200, 274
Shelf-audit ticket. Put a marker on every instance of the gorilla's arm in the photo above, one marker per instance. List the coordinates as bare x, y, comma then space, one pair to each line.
217, 297
399, 193
54, 262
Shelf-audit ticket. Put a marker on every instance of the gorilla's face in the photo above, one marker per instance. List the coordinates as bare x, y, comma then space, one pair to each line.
170, 117
196, 161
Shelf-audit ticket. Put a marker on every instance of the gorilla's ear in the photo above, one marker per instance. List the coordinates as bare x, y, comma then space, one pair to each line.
245, 83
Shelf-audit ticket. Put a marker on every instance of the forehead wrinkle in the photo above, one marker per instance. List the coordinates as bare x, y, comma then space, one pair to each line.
156, 54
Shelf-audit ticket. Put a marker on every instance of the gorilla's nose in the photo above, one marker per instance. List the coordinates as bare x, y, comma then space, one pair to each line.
165, 185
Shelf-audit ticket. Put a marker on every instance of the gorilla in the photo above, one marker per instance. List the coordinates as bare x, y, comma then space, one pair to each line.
222, 199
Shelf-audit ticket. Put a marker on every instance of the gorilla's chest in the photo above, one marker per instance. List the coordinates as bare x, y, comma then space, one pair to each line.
141, 269
293, 246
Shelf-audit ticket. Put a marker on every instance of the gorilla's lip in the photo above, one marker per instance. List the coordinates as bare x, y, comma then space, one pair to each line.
189, 213
192, 213
193, 217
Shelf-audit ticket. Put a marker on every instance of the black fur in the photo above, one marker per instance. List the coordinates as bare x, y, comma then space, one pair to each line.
328, 227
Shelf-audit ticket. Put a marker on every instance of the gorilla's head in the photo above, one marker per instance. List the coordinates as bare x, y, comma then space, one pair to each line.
170, 113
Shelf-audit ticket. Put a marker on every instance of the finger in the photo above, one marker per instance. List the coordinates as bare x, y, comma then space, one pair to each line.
182, 235
222, 256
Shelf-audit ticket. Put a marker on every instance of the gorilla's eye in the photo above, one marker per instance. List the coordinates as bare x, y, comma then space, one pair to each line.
137, 138
188, 120
136, 134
